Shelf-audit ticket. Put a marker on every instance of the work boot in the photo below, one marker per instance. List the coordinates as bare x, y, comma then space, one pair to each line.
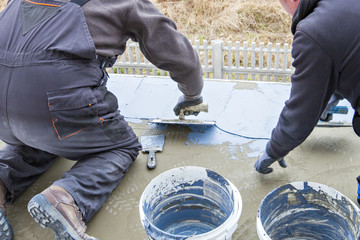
6, 232
55, 208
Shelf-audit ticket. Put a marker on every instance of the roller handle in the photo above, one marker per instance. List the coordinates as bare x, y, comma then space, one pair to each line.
339, 110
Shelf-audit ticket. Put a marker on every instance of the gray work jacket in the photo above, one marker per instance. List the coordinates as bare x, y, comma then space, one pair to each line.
112, 23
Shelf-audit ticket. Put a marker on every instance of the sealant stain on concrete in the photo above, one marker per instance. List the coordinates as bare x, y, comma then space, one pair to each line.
246, 85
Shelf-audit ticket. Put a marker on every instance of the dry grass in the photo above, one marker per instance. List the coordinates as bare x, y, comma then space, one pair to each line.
235, 20
2, 4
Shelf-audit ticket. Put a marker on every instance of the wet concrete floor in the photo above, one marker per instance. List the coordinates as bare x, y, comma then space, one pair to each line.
329, 156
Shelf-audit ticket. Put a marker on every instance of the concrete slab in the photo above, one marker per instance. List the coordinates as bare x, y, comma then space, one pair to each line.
247, 111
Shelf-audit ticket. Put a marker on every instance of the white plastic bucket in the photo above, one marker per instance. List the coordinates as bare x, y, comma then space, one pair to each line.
307, 210
190, 203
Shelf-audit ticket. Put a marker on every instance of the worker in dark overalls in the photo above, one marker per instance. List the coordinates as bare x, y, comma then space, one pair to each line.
54, 100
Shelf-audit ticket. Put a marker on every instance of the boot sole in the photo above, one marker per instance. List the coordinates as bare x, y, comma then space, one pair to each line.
6, 232
48, 216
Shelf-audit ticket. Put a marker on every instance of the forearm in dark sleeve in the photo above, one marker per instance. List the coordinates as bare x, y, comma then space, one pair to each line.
165, 47
313, 83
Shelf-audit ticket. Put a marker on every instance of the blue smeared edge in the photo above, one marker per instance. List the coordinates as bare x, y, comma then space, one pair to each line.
358, 192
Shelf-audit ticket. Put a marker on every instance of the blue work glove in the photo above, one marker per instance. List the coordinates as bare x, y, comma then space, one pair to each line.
264, 161
184, 102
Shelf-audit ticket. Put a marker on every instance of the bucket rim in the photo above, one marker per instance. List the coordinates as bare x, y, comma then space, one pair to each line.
232, 219
299, 185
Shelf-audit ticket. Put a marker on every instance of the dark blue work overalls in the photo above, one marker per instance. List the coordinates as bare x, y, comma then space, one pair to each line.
54, 103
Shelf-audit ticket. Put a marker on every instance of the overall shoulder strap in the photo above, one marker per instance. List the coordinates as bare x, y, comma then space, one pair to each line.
79, 2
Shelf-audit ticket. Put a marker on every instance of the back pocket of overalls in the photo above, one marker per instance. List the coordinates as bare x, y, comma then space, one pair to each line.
72, 111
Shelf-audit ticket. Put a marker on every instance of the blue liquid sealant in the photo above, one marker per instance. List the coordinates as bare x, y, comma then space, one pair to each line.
195, 209
358, 192
287, 213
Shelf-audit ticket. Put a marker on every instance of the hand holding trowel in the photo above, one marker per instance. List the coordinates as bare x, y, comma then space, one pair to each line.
186, 108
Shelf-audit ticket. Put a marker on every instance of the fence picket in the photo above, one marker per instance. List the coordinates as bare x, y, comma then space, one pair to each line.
217, 58
245, 55
229, 58
285, 61
253, 46
138, 59
237, 58
268, 62
206, 59
261, 60
146, 62
277, 56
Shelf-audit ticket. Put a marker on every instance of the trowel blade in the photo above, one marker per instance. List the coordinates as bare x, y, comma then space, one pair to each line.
184, 122
152, 143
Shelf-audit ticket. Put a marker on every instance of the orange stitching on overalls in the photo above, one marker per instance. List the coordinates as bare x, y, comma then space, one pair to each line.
56, 129
73, 133
58, 135
43, 4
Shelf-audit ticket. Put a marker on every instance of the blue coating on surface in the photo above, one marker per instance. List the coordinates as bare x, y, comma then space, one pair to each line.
195, 208
290, 213
358, 191
242, 110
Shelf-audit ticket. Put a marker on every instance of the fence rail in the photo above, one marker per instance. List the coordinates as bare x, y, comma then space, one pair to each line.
221, 60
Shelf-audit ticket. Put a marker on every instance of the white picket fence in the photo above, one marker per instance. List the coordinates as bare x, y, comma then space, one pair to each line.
221, 60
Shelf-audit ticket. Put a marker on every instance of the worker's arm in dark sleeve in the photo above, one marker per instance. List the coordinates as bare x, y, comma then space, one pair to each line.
165, 47
313, 83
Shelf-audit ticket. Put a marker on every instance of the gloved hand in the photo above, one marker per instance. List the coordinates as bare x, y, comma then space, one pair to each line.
264, 161
184, 102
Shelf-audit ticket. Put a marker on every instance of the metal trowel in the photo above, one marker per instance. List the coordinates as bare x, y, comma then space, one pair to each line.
193, 110
152, 144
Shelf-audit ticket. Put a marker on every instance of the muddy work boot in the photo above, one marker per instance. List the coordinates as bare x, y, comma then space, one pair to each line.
55, 208
6, 232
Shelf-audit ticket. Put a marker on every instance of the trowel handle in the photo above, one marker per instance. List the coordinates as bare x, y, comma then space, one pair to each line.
151, 163
193, 110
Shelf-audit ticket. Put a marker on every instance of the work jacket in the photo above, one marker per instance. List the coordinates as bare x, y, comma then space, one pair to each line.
112, 23
326, 53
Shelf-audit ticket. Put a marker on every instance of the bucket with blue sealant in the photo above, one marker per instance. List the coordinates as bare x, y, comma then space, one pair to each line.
307, 210
190, 203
